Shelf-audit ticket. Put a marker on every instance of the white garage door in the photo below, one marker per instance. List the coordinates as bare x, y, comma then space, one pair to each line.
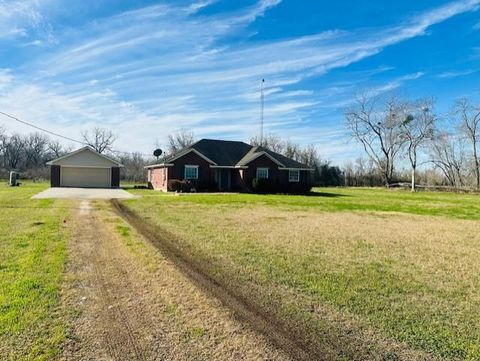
85, 177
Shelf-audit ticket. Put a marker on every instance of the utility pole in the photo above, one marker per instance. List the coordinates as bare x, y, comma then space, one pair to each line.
262, 107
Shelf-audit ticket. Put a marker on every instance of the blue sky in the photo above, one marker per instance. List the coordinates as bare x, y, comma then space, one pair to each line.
146, 69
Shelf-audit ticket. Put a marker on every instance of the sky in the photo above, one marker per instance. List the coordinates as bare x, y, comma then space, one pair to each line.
146, 69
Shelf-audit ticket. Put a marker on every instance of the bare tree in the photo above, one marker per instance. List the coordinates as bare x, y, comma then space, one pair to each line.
3, 137
291, 150
100, 139
13, 151
469, 118
417, 128
3, 147
448, 155
378, 130
179, 140
35, 146
133, 167
362, 173
309, 156
56, 149
269, 141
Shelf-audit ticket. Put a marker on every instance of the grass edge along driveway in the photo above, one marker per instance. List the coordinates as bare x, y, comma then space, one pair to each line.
32, 261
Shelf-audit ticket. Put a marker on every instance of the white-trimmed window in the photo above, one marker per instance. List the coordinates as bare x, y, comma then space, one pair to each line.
262, 173
191, 172
294, 176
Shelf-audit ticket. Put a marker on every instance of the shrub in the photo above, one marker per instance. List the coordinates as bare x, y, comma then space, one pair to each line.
264, 185
178, 185
207, 186
299, 188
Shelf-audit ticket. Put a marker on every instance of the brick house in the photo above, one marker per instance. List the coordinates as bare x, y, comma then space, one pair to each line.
230, 165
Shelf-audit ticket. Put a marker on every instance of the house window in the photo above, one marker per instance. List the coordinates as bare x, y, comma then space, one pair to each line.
262, 172
294, 176
191, 172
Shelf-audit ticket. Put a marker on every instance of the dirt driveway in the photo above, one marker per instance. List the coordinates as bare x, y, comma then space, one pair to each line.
130, 303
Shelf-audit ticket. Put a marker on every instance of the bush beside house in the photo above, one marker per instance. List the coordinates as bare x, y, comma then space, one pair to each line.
265, 186
187, 186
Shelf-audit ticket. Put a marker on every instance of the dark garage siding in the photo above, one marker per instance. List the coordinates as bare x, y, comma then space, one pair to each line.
55, 176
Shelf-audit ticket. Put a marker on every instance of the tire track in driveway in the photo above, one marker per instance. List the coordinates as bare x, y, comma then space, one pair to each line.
107, 330
260, 321
133, 304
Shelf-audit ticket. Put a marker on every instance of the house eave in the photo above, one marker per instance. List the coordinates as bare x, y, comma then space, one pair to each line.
68, 155
228, 166
293, 168
161, 165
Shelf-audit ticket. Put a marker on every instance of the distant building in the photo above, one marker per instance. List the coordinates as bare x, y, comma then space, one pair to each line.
85, 168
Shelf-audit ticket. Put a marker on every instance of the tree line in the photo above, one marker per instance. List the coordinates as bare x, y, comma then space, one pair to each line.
28, 154
395, 132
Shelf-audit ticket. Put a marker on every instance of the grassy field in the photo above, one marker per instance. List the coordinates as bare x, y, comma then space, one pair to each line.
32, 256
363, 273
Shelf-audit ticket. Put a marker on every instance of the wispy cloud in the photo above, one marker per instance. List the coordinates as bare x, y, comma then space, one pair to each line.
164, 67
19, 17
199, 5
395, 83
455, 74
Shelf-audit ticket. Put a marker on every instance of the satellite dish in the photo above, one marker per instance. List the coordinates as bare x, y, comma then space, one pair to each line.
157, 152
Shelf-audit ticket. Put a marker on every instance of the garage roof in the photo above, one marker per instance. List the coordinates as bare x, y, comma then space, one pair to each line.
105, 161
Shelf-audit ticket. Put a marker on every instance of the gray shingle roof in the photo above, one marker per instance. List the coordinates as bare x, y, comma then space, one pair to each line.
222, 152
287, 162
232, 153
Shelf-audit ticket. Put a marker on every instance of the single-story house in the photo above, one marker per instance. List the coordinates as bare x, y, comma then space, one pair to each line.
85, 168
231, 165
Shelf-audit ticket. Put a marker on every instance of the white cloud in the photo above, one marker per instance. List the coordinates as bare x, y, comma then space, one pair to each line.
197, 6
19, 17
455, 74
153, 70
395, 83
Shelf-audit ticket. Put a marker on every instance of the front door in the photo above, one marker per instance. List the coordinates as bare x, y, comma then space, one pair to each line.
223, 179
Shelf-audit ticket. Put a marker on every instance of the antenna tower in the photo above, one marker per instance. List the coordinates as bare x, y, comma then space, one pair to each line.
262, 108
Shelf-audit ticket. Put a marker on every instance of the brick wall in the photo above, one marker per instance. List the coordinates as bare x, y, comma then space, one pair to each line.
204, 171
159, 178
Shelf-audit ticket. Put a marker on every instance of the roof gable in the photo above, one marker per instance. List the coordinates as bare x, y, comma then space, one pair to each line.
186, 151
287, 162
226, 153
256, 152
85, 157
222, 152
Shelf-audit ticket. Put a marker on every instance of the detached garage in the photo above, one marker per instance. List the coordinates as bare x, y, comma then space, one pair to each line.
85, 168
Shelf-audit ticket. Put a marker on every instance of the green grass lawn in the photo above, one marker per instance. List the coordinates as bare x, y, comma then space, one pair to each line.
32, 257
453, 205
362, 273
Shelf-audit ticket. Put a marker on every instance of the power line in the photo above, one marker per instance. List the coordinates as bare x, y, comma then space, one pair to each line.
63, 136
42, 129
